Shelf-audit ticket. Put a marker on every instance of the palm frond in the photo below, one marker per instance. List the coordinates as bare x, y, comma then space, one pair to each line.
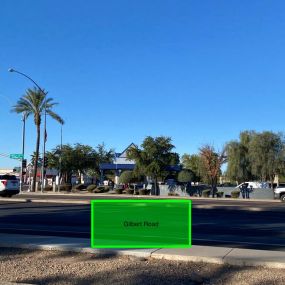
55, 116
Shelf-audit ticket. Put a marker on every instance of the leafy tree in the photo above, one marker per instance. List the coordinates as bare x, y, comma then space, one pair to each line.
185, 177
34, 102
239, 166
126, 177
267, 155
153, 157
212, 162
33, 157
79, 159
193, 163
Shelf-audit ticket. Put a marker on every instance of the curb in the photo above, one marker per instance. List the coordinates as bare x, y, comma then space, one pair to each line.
73, 201
207, 254
84, 194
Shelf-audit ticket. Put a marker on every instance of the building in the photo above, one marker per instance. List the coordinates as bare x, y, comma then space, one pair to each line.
119, 164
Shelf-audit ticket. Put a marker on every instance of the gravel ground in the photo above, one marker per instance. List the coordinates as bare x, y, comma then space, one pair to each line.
54, 267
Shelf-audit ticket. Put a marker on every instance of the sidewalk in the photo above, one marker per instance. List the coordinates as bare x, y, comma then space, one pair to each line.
53, 197
217, 255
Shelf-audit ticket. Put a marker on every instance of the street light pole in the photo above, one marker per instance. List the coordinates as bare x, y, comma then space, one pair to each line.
60, 159
23, 151
44, 150
45, 109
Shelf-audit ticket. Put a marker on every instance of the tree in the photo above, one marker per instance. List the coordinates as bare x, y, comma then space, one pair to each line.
267, 155
239, 166
185, 177
193, 163
79, 159
33, 103
33, 157
153, 157
126, 177
212, 162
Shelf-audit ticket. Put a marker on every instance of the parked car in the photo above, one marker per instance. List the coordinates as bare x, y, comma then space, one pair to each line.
279, 193
9, 185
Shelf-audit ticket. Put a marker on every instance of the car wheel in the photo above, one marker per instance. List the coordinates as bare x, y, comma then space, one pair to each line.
282, 198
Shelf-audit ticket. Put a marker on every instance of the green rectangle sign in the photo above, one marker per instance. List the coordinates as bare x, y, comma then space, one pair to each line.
141, 223
16, 156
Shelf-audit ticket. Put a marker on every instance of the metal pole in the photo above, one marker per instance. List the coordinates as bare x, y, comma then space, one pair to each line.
23, 151
60, 159
28, 77
44, 150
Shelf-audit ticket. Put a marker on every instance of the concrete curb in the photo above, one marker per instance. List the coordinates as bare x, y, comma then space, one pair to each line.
207, 254
220, 255
73, 201
82, 194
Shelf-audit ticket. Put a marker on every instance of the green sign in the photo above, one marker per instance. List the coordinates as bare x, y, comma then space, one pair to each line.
141, 223
16, 156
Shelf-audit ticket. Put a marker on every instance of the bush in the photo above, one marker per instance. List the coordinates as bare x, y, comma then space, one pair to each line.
101, 189
220, 194
144, 192
129, 191
91, 187
235, 194
48, 188
65, 187
119, 191
206, 193
79, 187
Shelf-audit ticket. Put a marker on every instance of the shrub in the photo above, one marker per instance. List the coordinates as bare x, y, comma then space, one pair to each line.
235, 194
144, 192
79, 187
101, 189
91, 187
129, 191
220, 194
65, 187
106, 188
119, 191
206, 193
48, 188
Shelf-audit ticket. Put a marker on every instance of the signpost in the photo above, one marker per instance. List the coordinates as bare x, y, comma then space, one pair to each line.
16, 155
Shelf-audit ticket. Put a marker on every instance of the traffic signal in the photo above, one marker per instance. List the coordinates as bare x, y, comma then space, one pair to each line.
24, 163
45, 161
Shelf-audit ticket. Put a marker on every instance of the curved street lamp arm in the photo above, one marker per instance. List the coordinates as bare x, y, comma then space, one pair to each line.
25, 75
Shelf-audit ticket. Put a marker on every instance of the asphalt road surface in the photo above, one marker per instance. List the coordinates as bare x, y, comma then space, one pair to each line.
239, 224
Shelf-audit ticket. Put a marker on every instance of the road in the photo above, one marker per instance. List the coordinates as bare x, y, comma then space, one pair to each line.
240, 224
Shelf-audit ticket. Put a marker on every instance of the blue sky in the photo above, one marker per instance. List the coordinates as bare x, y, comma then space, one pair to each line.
198, 71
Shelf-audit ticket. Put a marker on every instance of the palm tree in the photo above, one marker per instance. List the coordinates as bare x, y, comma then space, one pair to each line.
34, 103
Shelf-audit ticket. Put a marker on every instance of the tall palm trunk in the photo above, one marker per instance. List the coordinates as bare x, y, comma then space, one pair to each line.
36, 157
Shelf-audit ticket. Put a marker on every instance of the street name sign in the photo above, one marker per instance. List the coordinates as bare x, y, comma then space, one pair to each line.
16, 156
